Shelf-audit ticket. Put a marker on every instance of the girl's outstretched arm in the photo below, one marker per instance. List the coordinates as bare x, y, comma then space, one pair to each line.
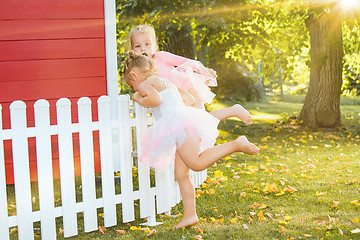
147, 96
169, 59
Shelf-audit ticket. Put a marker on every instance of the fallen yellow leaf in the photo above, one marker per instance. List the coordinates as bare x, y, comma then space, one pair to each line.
289, 189
205, 185
255, 205
199, 230
336, 203
271, 188
263, 206
134, 228
211, 191
280, 193
219, 174
270, 170
261, 216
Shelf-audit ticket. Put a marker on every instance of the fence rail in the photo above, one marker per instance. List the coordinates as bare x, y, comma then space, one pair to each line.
117, 144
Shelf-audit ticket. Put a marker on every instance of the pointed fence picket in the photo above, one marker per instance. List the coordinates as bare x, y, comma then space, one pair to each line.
66, 163
87, 164
44, 166
126, 165
21, 169
107, 165
122, 135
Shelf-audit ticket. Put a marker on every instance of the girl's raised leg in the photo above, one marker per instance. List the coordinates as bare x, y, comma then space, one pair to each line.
187, 191
189, 152
235, 111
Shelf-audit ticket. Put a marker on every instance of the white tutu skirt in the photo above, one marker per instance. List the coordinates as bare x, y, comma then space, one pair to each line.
180, 125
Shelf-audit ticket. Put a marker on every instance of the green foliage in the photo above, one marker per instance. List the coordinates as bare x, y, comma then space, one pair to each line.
252, 33
267, 38
246, 82
351, 71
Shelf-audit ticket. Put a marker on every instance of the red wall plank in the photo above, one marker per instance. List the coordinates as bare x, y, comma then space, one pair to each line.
52, 89
52, 69
51, 29
51, 49
50, 9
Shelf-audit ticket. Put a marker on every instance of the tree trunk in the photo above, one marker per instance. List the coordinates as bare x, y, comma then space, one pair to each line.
180, 41
322, 103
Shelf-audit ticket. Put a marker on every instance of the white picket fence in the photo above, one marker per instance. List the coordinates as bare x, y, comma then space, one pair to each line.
113, 135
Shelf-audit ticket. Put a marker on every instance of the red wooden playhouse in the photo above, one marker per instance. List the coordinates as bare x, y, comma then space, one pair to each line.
55, 49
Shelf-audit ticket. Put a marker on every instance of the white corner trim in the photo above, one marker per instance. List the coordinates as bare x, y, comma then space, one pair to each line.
111, 54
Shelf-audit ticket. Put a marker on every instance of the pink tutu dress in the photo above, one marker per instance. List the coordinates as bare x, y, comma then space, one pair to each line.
186, 73
175, 124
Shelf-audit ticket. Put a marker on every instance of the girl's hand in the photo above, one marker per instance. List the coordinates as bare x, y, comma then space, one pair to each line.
147, 96
212, 72
136, 96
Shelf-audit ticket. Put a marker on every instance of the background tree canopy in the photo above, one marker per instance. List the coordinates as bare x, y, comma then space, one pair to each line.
252, 44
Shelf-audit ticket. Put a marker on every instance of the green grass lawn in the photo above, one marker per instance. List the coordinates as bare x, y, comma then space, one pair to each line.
303, 185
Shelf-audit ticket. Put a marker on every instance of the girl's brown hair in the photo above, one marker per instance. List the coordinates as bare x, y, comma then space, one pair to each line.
140, 61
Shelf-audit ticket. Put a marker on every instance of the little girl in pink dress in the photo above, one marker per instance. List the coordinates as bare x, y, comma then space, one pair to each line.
190, 75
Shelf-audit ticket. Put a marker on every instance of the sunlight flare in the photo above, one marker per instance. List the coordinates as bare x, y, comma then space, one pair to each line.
349, 3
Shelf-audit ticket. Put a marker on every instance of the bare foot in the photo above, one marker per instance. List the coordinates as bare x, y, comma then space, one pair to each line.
242, 113
187, 222
245, 146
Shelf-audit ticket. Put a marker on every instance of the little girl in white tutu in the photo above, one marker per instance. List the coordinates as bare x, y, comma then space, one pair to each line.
181, 135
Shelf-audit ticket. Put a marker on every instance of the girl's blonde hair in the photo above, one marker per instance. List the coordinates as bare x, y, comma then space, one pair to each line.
143, 28
140, 61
